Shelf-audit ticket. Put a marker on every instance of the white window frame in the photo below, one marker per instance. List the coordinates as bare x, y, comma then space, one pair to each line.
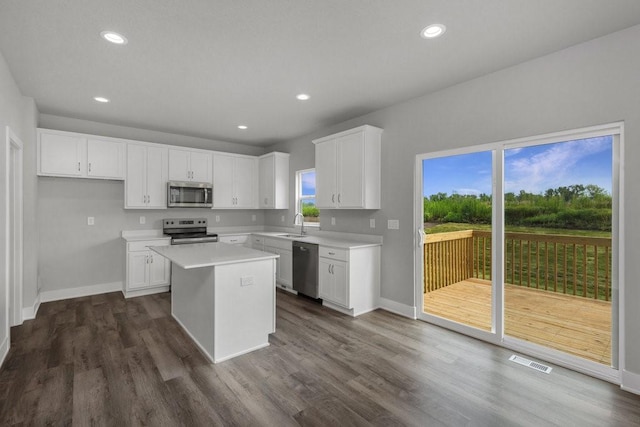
300, 198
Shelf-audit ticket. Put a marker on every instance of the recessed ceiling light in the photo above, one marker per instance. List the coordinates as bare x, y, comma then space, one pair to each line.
101, 99
303, 96
114, 38
432, 31
243, 127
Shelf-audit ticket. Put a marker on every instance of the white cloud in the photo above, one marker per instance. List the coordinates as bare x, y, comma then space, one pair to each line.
548, 168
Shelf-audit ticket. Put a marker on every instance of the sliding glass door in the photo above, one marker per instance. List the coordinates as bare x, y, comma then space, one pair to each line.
517, 244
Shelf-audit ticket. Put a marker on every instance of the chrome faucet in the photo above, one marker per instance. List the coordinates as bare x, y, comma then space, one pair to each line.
301, 222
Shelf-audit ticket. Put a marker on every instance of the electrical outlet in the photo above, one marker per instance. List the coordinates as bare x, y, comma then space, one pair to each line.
246, 281
91, 220
143, 220
253, 218
372, 222
333, 220
393, 224
217, 218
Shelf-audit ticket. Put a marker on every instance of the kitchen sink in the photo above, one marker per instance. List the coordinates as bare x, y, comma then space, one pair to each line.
297, 236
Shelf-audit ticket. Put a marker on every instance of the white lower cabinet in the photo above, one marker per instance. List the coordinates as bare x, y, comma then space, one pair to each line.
147, 272
349, 279
333, 286
284, 264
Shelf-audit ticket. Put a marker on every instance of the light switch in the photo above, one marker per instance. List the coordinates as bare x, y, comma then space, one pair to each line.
217, 218
393, 224
282, 218
91, 220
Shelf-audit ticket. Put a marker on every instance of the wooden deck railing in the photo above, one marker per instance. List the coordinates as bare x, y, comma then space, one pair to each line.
572, 265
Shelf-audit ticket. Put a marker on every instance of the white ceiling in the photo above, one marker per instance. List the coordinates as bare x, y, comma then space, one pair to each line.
202, 67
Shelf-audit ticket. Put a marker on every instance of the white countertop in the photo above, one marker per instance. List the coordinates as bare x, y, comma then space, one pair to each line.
333, 242
198, 255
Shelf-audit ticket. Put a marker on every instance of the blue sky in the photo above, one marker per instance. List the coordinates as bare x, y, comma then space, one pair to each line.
533, 169
308, 183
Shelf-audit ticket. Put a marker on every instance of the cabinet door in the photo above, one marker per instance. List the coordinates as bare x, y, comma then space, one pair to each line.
105, 159
340, 283
138, 269
136, 178
62, 155
157, 177
245, 175
325, 279
326, 174
159, 269
201, 164
286, 267
267, 182
350, 149
179, 165
223, 194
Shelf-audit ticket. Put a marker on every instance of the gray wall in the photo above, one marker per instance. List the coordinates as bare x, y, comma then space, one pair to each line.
19, 113
589, 84
94, 255
73, 254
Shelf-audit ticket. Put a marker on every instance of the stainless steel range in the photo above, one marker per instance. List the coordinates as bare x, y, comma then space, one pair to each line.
187, 230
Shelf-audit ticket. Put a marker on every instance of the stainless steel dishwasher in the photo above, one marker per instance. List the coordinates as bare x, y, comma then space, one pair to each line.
305, 268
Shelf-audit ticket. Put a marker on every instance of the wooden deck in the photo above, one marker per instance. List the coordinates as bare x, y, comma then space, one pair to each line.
574, 325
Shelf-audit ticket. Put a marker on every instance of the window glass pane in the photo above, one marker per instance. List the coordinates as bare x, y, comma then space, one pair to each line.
457, 195
306, 196
558, 205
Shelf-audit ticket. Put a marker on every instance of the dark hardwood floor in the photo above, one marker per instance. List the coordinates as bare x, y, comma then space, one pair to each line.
104, 360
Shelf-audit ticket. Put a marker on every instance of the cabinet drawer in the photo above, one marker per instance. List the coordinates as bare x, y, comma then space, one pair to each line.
278, 243
143, 245
333, 253
235, 240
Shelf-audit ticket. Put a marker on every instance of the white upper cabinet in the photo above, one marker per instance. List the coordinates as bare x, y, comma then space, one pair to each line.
105, 159
75, 155
234, 181
190, 165
274, 181
348, 169
146, 183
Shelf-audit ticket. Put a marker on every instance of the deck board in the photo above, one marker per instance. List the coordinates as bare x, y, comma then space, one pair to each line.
575, 325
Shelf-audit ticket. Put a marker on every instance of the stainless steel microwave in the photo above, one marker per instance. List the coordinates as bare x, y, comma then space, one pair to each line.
182, 194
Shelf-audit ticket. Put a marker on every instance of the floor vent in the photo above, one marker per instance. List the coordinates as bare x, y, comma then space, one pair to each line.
531, 364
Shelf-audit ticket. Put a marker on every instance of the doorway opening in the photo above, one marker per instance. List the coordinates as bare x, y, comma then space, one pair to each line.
14, 229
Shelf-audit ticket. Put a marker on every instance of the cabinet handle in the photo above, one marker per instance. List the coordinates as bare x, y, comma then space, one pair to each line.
89, 167
151, 259
338, 197
333, 198
148, 199
329, 268
265, 200
146, 259
78, 166
332, 269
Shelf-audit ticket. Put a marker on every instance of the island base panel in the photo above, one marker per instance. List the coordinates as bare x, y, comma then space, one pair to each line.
228, 309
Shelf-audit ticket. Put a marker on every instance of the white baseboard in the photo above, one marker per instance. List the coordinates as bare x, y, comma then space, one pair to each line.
82, 291
29, 313
398, 308
4, 349
145, 291
630, 382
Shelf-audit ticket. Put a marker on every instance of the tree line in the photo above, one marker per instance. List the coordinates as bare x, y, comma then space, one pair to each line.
580, 207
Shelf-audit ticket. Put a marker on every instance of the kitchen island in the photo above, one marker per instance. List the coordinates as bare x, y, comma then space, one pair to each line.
223, 296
